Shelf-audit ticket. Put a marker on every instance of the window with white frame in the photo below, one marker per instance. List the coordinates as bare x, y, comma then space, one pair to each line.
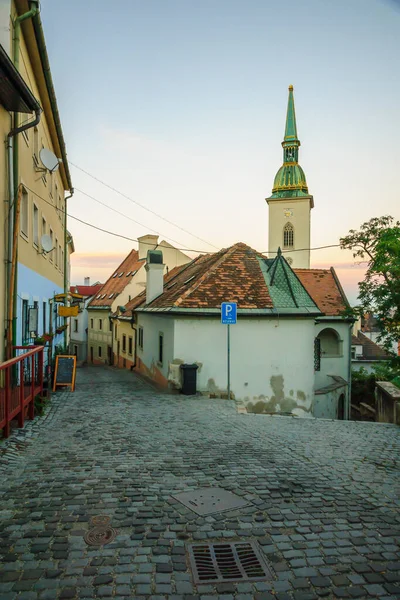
76, 325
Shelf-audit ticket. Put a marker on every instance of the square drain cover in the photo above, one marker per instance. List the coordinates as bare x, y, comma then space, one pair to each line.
236, 561
206, 501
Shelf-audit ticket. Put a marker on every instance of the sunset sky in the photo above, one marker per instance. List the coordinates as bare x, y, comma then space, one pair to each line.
181, 106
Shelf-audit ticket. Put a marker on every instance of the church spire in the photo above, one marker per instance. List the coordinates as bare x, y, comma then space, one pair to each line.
290, 181
291, 128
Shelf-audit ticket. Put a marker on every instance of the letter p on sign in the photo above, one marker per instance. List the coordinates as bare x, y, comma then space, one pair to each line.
228, 313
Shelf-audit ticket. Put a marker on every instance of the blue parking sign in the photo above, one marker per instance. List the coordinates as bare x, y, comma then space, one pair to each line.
228, 313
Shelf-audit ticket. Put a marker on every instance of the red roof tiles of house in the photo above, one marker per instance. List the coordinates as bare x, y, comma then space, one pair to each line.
118, 280
371, 350
324, 288
86, 290
235, 274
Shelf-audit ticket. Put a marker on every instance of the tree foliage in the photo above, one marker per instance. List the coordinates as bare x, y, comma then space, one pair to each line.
378, 243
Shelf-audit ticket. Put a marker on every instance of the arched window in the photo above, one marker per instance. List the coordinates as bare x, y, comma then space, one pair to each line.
288, 236
330, 343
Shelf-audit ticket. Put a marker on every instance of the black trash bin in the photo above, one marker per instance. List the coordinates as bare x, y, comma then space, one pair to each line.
189, 379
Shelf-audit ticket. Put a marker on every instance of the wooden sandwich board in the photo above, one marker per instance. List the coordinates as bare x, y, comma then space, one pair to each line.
65, 371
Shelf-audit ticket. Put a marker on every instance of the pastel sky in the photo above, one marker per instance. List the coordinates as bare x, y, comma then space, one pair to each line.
181, 106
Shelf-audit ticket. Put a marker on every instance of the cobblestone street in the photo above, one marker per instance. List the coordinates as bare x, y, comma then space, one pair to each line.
323, 497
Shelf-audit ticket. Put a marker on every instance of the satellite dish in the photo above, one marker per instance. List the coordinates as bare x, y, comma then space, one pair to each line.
49, 159
47, 243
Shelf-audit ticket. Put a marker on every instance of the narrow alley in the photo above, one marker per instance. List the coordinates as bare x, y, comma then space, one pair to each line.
321, 497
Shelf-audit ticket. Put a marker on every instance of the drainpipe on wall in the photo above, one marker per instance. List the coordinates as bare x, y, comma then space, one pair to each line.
66, 302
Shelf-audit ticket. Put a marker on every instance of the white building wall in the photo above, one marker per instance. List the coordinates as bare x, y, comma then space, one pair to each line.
334, 365
152, 327
272, 365
300, 219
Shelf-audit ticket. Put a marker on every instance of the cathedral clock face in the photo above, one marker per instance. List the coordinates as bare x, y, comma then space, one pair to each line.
288, 213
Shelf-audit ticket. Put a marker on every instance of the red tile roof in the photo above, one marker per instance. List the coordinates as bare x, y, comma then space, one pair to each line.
86, 290
371, 350
118, 280
323, 287
234, 274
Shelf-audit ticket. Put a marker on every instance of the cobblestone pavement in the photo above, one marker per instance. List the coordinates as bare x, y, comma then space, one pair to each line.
323, 501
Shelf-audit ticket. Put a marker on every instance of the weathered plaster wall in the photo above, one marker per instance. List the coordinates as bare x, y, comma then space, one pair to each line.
334, 365
326, 405
148, 362
272, 367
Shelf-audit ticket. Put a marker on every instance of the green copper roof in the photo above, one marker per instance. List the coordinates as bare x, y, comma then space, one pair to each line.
290, 129
290, 180
284, 286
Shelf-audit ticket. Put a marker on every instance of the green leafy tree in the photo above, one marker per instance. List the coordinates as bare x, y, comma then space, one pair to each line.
378, 243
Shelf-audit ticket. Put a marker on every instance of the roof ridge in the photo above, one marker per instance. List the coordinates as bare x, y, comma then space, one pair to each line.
225, 252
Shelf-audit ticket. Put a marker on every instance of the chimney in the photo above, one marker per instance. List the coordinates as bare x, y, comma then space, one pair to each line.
154, 275
86, 281
146, 243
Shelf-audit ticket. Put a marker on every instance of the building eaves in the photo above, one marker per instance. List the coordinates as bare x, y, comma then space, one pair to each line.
15, 95
244, 312
38, 28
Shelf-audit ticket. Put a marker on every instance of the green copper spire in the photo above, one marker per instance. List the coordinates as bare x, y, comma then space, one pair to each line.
291, 129
290, 180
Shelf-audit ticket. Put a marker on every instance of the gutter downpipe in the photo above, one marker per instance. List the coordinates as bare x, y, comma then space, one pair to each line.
66, 291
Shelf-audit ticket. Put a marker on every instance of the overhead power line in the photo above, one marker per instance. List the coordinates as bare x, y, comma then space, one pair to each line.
120, 235
124, 237
122, 214
153, 212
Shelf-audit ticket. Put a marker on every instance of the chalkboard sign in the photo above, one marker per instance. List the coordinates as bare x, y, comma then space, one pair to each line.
65, 371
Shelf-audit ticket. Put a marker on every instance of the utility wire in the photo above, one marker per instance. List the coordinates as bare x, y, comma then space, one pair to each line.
122, 214
110, 187
124, 237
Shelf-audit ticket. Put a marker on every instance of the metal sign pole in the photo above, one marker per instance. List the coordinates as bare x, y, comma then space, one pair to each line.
229, 361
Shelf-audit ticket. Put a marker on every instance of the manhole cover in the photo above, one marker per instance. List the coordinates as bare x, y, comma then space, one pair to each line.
206, 501
236, 561
98, 536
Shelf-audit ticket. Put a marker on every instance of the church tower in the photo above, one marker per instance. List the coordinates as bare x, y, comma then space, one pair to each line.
290, 204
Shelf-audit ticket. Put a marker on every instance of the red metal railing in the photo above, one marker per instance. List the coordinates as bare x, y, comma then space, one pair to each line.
21, 379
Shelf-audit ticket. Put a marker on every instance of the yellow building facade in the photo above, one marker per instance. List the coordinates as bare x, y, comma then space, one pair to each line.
41, 269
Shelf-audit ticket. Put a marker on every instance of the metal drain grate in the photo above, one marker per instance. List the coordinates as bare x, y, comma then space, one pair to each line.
207, 501
236, 561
